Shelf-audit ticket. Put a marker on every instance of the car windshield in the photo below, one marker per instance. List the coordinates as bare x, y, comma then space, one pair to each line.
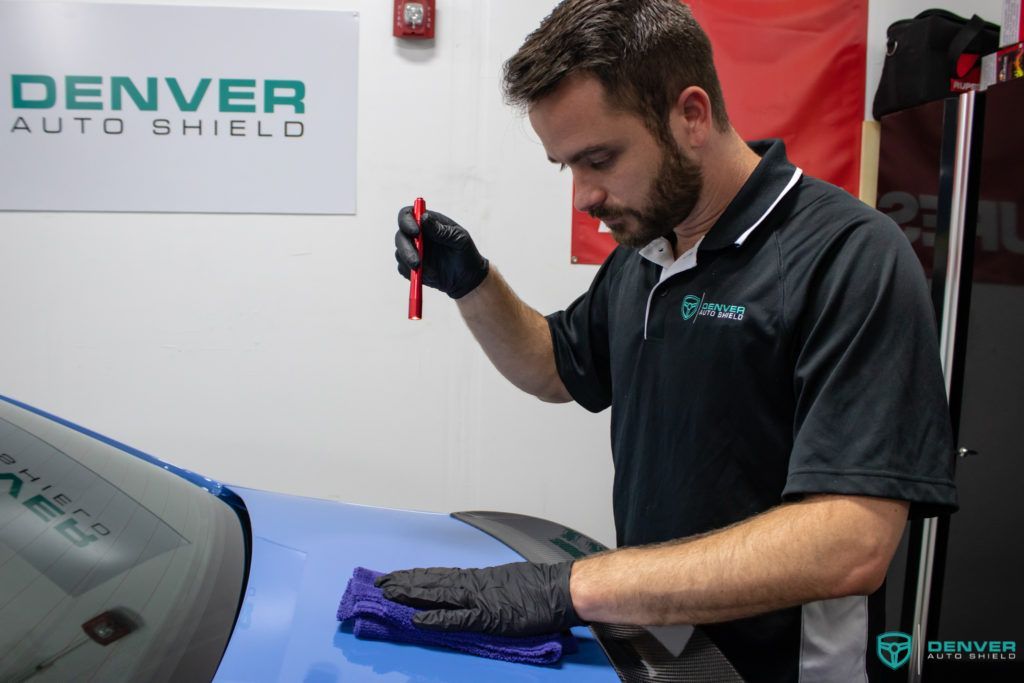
111, 567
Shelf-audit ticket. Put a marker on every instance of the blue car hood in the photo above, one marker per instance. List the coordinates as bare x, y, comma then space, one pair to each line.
303, 553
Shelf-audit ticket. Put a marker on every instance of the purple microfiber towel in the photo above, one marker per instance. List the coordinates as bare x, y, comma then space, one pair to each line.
378, 618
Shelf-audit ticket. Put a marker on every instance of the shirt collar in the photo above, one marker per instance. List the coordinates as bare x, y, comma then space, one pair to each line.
661, 252
771, 180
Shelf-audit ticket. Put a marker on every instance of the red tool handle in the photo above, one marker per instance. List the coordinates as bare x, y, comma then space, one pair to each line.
416, 276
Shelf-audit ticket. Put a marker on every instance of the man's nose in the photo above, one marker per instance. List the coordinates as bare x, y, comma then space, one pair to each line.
587, 196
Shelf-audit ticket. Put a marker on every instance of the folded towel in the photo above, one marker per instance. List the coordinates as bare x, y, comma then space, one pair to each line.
378, 618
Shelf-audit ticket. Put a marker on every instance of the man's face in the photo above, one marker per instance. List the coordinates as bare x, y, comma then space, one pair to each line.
624, 175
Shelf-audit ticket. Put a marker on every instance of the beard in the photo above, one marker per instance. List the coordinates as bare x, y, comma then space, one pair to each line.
673, 195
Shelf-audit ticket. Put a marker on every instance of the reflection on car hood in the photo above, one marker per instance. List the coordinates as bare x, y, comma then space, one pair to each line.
303, 553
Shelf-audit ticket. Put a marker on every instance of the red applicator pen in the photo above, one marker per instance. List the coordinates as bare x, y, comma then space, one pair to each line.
416, 276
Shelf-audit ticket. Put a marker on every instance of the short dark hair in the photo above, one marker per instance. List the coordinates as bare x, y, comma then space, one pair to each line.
644, 53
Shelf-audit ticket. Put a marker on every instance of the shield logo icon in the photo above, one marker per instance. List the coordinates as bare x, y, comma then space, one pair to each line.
893, 648
690, 304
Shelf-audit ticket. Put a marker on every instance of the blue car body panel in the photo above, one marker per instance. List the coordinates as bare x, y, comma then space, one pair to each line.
303, 553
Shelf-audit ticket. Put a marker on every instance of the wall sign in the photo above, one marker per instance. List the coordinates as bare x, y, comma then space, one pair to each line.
114, 107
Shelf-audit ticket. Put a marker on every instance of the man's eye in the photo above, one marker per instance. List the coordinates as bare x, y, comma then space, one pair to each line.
600, 163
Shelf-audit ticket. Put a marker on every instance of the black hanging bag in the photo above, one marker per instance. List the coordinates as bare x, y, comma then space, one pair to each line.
923, 58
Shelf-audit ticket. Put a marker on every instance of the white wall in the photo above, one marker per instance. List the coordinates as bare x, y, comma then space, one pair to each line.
273, 351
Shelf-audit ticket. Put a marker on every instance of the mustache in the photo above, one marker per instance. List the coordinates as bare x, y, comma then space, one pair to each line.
604, 213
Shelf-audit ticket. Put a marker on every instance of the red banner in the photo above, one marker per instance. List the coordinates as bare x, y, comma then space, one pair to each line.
790, 69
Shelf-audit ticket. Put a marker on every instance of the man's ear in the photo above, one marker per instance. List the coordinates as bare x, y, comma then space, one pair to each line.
690, 118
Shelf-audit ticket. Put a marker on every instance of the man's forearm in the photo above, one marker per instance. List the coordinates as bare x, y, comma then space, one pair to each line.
515, 337
820, 548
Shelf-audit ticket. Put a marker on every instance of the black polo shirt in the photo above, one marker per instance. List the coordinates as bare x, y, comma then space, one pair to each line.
793, 352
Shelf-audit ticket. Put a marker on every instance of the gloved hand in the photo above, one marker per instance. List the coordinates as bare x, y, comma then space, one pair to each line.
518, 599
451, 261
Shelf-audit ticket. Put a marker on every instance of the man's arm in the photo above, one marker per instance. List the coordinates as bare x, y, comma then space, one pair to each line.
826, 546
515, 337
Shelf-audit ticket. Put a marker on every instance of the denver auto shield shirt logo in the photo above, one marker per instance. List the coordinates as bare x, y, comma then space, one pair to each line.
694, 307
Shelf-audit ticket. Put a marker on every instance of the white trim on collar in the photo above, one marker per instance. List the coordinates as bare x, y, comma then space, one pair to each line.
789, 186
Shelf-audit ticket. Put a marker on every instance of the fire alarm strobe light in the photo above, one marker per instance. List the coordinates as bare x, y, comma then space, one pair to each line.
414, 19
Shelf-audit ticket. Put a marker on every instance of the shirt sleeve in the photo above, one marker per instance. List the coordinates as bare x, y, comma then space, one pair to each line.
871, 411
579, 335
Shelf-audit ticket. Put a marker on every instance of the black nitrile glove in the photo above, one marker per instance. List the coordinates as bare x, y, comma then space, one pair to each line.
519, 599
451, 261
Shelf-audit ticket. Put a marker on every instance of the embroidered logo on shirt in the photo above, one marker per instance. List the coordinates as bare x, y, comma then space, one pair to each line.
695, 307
690, 305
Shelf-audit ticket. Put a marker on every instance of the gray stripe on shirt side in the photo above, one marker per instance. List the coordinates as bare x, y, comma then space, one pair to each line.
834, 640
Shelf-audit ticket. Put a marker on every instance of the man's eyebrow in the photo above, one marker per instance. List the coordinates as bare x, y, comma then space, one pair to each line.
586, 151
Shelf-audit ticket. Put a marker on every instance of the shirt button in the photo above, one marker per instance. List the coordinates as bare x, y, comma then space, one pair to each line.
664, 293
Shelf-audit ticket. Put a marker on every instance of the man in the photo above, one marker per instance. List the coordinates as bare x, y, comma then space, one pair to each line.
764, 340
